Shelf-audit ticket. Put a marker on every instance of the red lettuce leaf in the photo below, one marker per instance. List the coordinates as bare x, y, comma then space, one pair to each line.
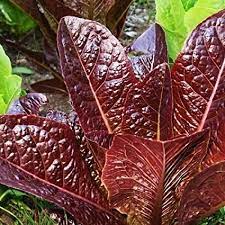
198, 85
116, 16
97, 73
47, 13
203, 195
198, 77
50, 86
42, 157
148, 108
151, 50
94, 10
29, 104
145, 178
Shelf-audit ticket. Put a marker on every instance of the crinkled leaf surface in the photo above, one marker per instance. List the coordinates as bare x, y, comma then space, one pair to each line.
145, 178
29, 104
203, 195
41, 157
148, 108
198, 87
97, 73
151, 51
198, 77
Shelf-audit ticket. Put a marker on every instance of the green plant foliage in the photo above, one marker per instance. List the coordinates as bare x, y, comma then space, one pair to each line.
202, 10
167, 14
14, 19
180, 17
10, 85
22, 70
23, 209
188, 4
216, 219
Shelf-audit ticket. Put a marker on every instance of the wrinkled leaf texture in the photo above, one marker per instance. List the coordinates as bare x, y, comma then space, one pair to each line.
198, 91
101, 83
198, 84
150, 50
153, 181
145, 178
42, 157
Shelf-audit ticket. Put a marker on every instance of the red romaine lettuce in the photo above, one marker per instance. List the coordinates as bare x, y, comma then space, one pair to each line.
42, 157
149, 49
145, 178
156, 139
101, 84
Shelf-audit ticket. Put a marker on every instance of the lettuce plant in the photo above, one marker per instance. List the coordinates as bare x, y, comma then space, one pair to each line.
179, 17
10, 85
47, 14
145, 145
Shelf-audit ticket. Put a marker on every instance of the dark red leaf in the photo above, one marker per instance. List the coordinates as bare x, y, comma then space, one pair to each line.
116, 16
151, 50
29, 104
199, 78
42, 157
97, 73
94, 10
58, 116
148, 109
145, 178
203, 195
50, 86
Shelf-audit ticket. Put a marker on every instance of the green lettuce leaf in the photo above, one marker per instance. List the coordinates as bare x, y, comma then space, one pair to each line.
167, 14
188, 4
202, 10
179, 17
10, 85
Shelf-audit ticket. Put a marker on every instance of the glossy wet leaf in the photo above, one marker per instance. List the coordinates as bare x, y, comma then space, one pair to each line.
198, 77
203, 195
148, 108
97, 73
149, 49
42, 157
145, 178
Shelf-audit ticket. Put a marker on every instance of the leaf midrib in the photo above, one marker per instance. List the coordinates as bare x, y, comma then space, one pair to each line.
210, 102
